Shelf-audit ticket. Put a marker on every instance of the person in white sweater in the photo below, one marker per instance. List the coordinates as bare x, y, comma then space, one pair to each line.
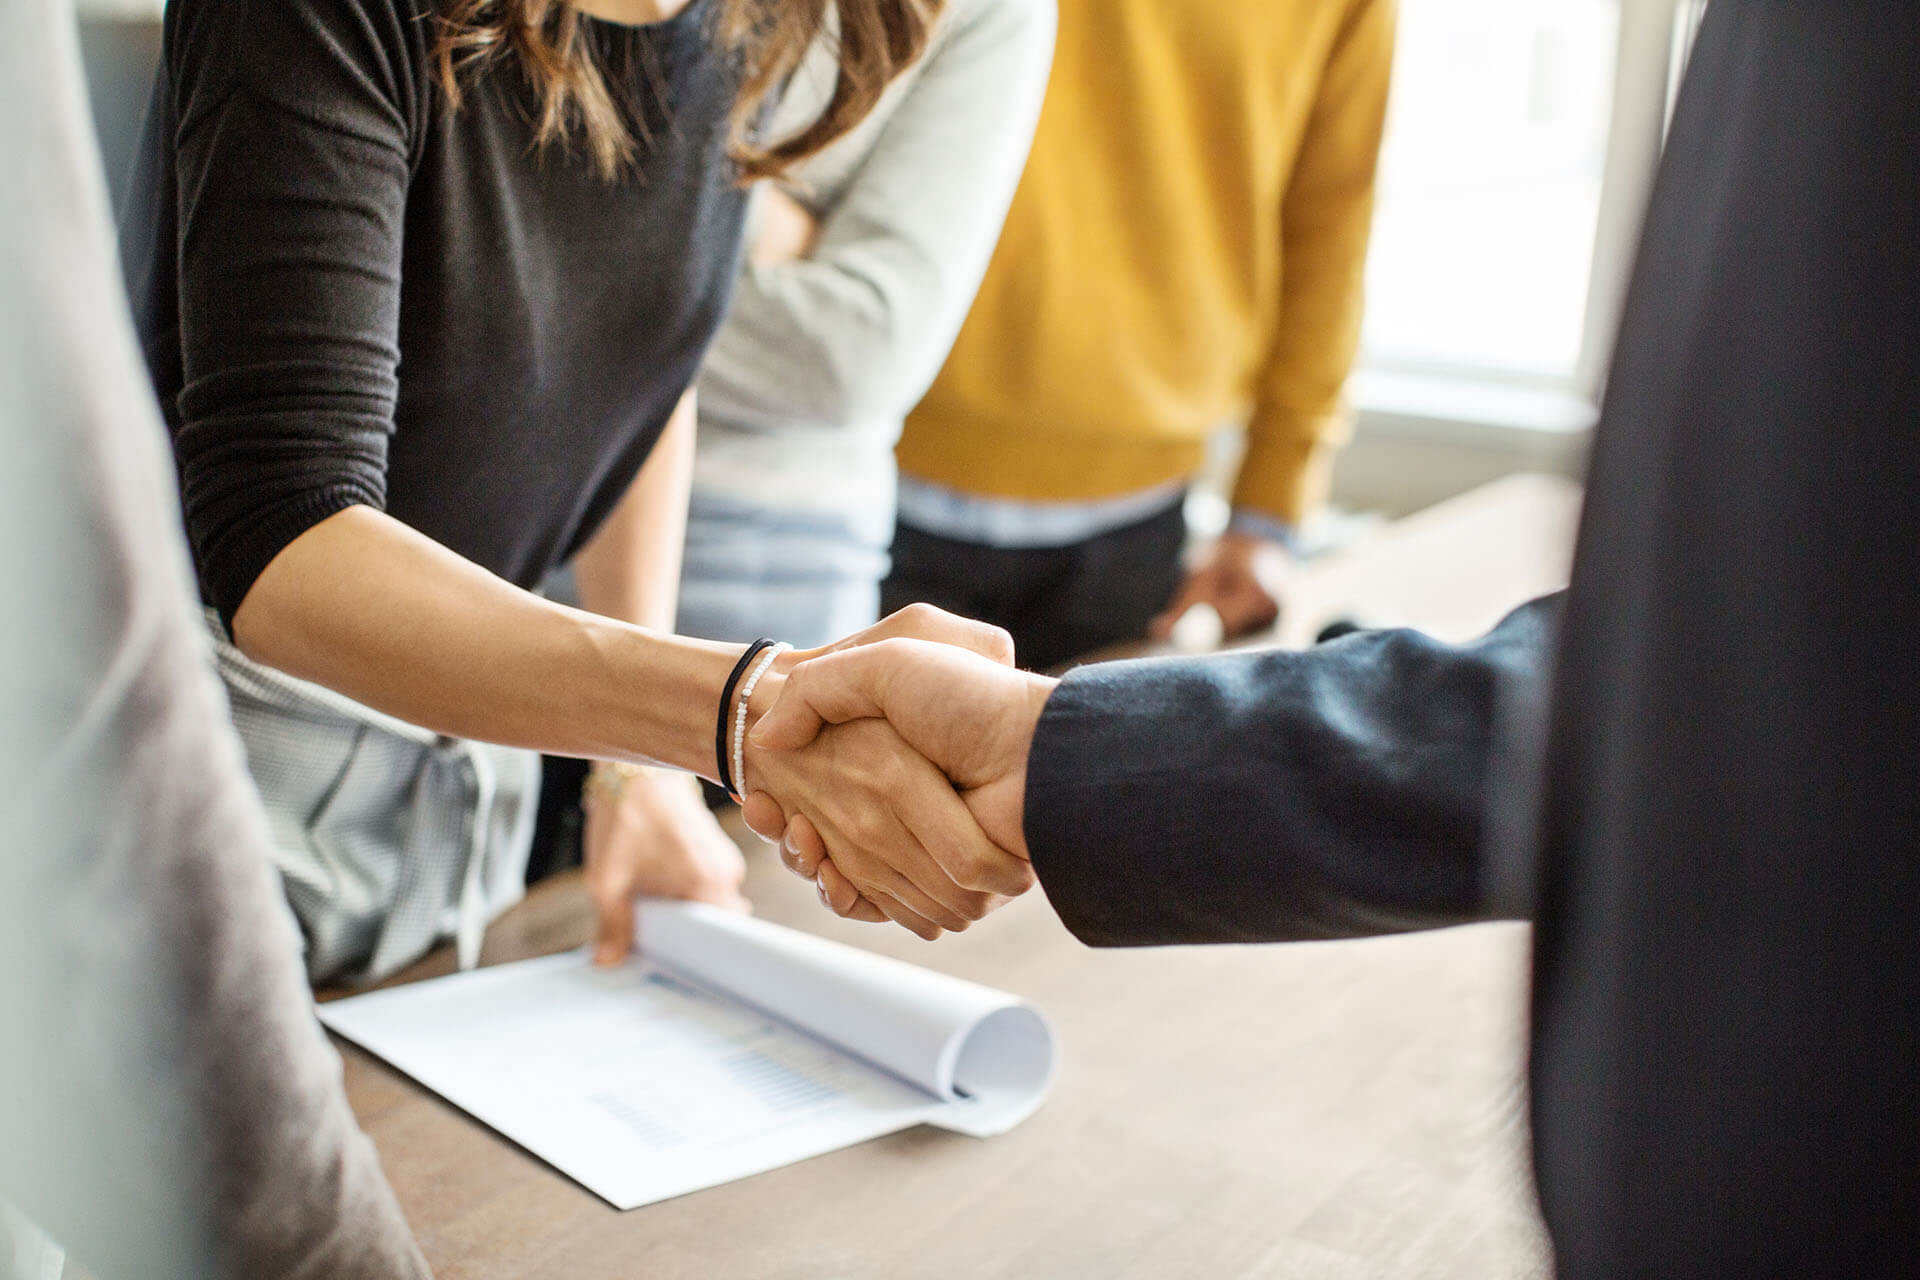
859, 273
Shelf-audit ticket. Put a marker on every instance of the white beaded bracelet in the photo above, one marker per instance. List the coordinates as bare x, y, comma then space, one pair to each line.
740, 718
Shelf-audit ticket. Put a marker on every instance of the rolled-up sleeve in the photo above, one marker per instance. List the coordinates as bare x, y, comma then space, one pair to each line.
291, 211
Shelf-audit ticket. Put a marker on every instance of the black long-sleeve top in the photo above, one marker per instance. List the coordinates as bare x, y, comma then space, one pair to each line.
351, 294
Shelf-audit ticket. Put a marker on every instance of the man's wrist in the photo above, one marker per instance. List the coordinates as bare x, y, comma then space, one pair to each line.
1037, 690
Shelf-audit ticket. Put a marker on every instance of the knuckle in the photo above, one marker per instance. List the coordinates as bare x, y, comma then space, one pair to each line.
870, 830
996, 643
973, 871
952, 917
889, 652
891, 774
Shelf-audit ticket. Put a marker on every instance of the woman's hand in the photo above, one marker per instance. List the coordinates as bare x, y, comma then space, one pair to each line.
657, 839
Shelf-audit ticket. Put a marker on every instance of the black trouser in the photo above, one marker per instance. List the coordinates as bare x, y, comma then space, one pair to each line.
1058, 602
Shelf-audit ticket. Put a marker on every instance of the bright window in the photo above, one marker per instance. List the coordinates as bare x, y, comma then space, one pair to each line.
1491, 186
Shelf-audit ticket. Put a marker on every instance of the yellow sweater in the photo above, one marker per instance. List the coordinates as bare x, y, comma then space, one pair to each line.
1185, 249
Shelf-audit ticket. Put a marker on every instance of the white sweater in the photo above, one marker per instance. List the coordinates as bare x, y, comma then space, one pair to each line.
808, 381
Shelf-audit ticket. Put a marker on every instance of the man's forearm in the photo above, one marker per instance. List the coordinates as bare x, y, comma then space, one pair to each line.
1276, 796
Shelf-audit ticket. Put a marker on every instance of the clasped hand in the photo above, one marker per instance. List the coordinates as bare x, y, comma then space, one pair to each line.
891, 770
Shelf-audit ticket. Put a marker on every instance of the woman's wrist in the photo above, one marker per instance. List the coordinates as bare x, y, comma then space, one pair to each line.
730, 734
765, 695
651, 698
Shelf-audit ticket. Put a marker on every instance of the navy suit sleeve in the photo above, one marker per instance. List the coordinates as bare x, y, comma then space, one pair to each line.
1277, 796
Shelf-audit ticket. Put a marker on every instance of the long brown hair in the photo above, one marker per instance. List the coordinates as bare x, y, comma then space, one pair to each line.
878, 39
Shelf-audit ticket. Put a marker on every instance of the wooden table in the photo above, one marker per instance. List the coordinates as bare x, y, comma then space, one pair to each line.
1330, 1110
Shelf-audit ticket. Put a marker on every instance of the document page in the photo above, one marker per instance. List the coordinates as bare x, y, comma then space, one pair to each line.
986, 1053
654, 1079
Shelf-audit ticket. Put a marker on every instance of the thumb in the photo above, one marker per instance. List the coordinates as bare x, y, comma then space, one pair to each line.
832, 689
764, 816
926, 622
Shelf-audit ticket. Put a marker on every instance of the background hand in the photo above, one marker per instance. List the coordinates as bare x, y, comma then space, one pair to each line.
1243, 578
657, 839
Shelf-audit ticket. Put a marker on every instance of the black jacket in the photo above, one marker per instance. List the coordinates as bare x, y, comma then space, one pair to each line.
1706, 799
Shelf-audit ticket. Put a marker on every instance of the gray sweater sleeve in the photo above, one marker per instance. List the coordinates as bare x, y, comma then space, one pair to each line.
168, 1104
854, 334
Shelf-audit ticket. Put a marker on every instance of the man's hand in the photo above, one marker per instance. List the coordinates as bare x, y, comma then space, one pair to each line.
886, 838
967, 714
1242, 578
916, 622
655, 839
894, 823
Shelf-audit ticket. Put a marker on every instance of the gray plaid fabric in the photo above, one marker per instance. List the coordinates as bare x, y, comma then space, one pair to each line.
388, 837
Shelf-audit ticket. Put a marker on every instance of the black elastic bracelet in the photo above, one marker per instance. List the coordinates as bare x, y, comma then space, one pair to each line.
754, 650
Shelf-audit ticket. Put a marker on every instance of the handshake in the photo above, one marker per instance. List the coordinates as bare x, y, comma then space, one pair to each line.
891, 770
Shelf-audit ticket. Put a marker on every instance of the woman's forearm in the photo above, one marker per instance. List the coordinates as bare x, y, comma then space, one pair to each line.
373, 609
630, 569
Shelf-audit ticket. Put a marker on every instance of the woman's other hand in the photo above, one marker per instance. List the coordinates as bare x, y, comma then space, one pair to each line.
654, 837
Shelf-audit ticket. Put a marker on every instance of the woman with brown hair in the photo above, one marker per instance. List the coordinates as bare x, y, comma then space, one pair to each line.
423, 286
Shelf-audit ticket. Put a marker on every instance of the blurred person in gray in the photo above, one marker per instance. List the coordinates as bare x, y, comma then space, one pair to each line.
168, 1105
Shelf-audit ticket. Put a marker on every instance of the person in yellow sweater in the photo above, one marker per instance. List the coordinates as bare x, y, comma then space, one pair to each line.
1185, 250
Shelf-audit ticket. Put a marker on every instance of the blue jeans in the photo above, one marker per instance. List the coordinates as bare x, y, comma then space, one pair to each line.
807, 578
